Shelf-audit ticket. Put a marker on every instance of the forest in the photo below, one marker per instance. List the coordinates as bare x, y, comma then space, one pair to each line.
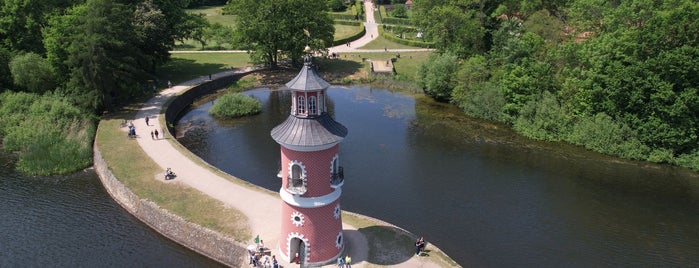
64, 63
616, 77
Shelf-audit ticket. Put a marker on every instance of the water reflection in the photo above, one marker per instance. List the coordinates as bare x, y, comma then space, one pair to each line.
483, 194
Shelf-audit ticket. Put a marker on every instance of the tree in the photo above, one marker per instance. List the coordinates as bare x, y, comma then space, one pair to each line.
436, 75
151, 34
5, 74
33, 73
95, 45
399, 11
336, 5
272, 29
457, 28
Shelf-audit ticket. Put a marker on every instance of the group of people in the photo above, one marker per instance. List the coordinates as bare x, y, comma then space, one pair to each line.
344, 262
257, 261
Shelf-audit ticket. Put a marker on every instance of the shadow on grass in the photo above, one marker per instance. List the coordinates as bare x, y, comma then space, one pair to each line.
178, 70
388, 245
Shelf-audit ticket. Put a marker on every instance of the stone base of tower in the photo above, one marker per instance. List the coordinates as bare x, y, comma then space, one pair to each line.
315, 234
332, 260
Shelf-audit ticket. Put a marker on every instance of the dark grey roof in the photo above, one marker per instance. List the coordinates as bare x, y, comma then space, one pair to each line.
307, 80
309, 131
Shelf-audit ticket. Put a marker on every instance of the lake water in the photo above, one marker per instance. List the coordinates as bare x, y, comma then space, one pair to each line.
480, 192
71, 221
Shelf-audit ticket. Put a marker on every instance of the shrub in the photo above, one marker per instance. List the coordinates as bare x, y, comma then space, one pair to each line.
543, 119
51, 135
233, 105
436, 75
602, 134
336, 5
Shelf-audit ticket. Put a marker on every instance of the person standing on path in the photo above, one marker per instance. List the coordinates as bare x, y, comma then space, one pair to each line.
156, 135
340, 262
147, 121
348, 261
151, 135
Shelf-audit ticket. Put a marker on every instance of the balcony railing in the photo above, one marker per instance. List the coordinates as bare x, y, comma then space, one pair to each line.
337, 179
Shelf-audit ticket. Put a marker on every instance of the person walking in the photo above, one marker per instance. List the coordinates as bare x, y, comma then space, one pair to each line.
152, 137
340, 262
348, 261
156, 135
147, 121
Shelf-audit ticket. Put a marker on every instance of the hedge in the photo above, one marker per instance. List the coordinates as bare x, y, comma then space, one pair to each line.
397, 21
407, 42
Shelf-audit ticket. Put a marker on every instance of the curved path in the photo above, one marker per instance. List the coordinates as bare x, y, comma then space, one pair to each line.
262, 207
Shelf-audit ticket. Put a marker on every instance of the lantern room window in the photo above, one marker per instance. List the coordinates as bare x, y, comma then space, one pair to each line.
312, 105
301, 105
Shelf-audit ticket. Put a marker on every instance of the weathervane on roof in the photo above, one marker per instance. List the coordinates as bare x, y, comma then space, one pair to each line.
307, 49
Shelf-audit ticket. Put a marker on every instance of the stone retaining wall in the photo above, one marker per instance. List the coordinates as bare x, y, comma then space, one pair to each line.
202, 240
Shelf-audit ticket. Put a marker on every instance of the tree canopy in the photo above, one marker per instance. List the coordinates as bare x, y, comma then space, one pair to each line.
613, 76
273, 29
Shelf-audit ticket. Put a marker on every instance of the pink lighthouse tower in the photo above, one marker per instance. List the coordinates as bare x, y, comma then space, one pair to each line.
312, 179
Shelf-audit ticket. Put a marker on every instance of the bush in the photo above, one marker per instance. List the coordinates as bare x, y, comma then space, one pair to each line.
436, 75
396, 21
602, 134
406, 42
233, 105
336, 5
485, 101
543, 119
399, 11
51, 135
33, 73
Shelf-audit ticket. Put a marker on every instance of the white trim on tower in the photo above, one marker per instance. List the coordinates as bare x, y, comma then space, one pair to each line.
310, 202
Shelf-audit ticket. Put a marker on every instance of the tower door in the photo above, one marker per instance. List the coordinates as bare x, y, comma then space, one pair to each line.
297, 246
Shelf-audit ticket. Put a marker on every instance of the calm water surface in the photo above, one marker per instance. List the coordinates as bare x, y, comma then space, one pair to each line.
481, 193
71, 221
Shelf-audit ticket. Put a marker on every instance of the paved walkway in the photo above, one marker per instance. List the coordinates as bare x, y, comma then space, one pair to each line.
262, 207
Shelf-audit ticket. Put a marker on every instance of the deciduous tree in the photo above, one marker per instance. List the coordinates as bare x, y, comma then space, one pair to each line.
272, 29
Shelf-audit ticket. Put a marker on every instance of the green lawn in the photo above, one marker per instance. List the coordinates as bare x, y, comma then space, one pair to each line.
344, 31
187, 66
214, 14
406, 66
381, 43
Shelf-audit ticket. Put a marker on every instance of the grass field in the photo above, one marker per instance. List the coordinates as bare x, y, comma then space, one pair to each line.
214, 14
187, 66
344, 31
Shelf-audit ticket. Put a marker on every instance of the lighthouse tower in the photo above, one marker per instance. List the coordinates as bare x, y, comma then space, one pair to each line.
312, 179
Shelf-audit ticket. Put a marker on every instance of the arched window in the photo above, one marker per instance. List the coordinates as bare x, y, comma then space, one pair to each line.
296, 183
337, 176
301, 105
312, 105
